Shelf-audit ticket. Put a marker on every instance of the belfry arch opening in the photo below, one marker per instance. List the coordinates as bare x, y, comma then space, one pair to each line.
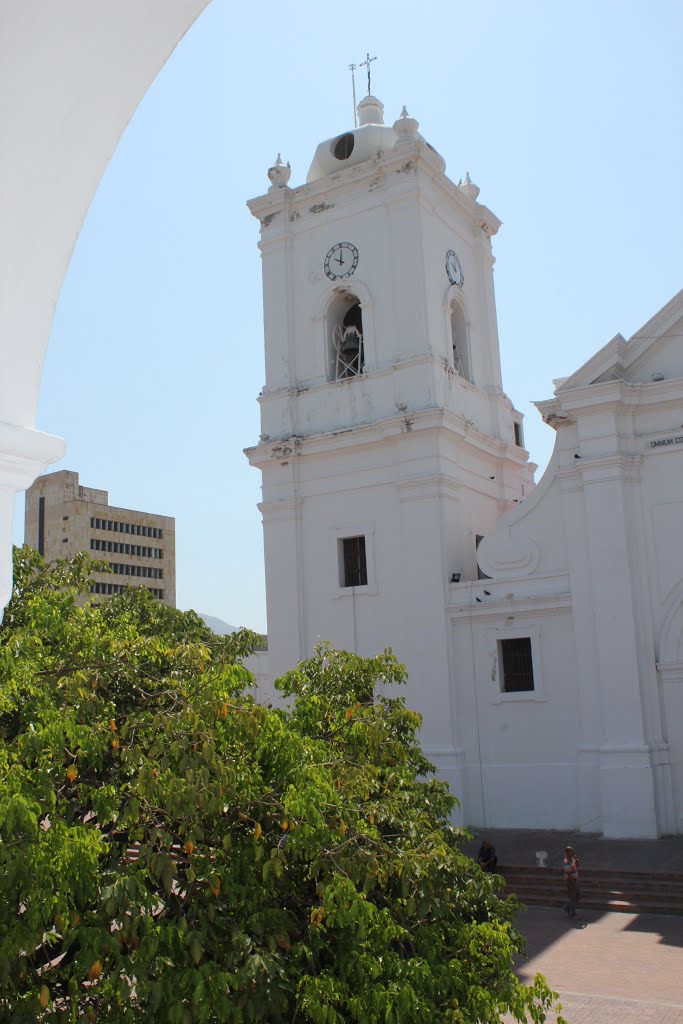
460, 342
345, 345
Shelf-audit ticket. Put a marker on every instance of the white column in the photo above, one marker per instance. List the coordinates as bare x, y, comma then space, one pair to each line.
626, 775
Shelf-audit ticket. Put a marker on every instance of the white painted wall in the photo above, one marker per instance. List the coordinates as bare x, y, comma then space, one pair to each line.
604, 531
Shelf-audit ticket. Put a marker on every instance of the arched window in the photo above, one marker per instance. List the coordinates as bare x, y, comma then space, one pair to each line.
459, 340
346, 357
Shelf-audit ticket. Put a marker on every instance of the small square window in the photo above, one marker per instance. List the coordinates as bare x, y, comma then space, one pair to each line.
517, 664
354, 565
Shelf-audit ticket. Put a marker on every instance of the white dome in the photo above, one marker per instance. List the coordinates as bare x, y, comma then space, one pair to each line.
353, 147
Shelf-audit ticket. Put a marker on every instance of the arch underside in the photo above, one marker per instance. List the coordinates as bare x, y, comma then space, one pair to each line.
71, 76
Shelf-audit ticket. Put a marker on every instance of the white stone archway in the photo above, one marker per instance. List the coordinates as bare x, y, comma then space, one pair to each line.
71, 76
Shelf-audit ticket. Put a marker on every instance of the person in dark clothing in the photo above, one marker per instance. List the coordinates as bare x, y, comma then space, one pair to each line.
570, 870
487, 856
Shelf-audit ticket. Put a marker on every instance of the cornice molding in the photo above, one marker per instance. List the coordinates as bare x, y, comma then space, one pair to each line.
527, 606
388, 169
432, 418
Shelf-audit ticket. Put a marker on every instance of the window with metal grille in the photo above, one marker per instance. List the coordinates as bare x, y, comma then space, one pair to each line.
354, 565
518, 665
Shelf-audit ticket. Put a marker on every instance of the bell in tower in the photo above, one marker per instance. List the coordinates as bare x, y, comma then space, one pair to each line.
348, 344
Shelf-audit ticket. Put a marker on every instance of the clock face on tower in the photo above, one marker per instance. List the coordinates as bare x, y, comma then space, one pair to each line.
341, 261
453, 269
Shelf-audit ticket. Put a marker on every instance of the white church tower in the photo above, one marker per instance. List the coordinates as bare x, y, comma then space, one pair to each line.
388, 447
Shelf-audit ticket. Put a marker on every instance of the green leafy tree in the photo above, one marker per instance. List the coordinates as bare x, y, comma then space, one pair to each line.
171, 851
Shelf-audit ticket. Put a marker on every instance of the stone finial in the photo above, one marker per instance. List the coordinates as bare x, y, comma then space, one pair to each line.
370, 111
279, 174
406, 127
469, 188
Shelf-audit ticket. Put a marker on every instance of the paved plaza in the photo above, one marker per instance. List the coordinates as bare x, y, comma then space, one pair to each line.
608, 968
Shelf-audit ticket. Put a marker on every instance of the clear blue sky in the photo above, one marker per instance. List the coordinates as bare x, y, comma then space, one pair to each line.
569, 118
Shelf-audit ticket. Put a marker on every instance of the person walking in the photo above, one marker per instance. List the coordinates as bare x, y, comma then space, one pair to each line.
570, 870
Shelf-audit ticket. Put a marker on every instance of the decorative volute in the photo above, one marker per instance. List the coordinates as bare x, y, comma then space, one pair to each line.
279, 174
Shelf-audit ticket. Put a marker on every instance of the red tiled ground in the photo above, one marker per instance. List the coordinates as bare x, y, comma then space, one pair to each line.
608, 968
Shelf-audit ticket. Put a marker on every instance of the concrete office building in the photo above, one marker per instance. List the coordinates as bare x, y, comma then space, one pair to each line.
63, 518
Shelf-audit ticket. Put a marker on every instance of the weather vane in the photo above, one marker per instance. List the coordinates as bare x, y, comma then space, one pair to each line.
352, 68
366, 64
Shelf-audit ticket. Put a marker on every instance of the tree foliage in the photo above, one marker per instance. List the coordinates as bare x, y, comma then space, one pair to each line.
172, 851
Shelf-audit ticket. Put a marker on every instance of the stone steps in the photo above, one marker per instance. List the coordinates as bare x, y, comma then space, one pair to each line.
601, 889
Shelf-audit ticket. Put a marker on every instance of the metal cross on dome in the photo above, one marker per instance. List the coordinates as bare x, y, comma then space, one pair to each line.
366, 64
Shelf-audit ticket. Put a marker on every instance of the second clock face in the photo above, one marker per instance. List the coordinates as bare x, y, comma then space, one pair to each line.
341, 260
453, 268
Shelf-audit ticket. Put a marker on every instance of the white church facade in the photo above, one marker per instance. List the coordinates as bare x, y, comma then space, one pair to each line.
542, 628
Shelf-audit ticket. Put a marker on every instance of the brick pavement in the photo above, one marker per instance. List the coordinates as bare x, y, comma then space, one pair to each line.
608, 968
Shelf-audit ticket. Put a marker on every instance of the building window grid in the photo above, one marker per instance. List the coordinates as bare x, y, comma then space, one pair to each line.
132, 528
118, 588
117, 548
517, 664
354, 562
147, 571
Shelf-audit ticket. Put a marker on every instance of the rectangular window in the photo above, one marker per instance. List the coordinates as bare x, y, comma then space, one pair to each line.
519, 440
354, 565
41, 526
480, 575
517, 664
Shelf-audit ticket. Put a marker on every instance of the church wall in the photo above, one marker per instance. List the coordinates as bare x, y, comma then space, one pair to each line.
662, 490
402, 494
609, 510
400, 607
524, 742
